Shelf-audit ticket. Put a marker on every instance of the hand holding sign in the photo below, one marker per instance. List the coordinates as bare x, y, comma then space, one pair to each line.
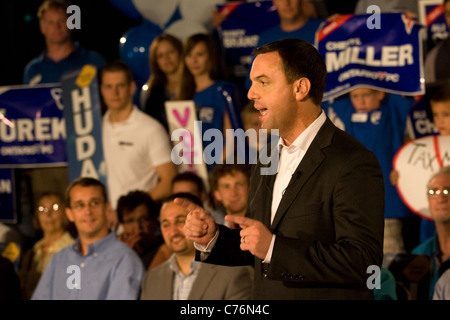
255, 237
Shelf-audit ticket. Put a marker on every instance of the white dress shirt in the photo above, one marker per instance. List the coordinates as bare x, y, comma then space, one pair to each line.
290, 158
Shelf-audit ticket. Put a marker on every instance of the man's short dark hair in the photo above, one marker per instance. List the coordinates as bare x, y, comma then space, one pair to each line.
185, 195
134, 199
117, 66
191, 177
300, 59
221, 170
441, 94
85, 182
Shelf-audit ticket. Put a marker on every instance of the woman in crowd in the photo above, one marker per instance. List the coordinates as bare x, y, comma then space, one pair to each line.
165, 67
203, 80
51, 220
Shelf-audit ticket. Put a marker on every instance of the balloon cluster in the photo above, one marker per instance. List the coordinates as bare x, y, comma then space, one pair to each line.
180, 18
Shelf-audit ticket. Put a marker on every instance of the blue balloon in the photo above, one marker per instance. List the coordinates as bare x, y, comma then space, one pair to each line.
134, 47
127, 8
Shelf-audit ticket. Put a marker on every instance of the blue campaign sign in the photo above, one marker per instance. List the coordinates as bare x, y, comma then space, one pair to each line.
82, 112
239, 32
32, 127
432, 15
7, 196
420, 124
387, 56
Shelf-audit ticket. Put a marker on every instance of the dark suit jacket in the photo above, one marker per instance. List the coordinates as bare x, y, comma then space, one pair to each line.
212, 283
329, 224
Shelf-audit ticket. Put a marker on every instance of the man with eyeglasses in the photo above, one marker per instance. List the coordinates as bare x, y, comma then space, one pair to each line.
438, 246
97, 266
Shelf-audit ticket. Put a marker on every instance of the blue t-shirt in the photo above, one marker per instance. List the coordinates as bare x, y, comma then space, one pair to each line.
382, 132
307, 33
430, 248
42, 69
110, 271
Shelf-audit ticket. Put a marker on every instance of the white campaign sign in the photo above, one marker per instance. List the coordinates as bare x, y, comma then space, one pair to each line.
182, 115
416, 162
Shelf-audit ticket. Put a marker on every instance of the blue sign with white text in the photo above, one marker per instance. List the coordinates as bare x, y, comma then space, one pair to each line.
32, 127
239, 32
386, 55
82, 112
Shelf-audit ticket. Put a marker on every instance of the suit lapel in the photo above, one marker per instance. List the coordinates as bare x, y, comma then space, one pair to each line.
310, 162
166, 290
201, 283
268, 182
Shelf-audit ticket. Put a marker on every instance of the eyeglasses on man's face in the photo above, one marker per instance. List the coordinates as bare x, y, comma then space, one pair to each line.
93, 204
433, 192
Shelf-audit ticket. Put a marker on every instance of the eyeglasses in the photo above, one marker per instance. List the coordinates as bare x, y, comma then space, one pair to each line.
54, 208
93, 204
435, 192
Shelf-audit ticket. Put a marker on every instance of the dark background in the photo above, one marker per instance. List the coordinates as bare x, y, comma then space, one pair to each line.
102, 25
101, 28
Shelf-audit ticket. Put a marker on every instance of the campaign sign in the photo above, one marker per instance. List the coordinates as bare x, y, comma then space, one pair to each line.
32, 127
416, 162
82, 112
385, 56
432, 16
186, 137
7, 196
239, 32
419, 123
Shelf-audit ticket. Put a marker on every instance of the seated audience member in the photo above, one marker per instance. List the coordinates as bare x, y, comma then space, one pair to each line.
191, 183
378, 121
229, 186
97, 266
442, 287
183, 278
51, 220
437, 247
138, 215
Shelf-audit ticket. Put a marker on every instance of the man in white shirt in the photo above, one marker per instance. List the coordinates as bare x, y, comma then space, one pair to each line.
136, 147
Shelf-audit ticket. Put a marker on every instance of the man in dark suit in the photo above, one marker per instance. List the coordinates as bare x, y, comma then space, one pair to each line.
316, 225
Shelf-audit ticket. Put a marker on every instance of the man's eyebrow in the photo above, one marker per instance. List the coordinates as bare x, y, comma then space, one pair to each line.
261, 77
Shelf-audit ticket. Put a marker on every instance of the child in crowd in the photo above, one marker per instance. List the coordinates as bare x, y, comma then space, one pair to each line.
378, 120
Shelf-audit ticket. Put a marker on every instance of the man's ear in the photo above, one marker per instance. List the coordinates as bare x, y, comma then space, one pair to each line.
217, 195
301, 89
133, 87
69, 214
